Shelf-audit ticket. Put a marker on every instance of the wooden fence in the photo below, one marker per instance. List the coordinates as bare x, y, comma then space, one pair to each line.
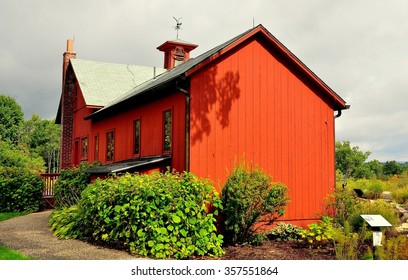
49, 179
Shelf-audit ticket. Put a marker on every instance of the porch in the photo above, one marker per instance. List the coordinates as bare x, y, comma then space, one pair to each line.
48, 190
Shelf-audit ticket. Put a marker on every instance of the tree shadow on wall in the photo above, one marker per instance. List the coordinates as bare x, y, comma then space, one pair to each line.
218, 92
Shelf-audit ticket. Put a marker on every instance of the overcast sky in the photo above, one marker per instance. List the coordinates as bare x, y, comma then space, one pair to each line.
358, 47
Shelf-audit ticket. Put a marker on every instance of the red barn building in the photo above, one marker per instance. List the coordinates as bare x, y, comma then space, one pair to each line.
249, 97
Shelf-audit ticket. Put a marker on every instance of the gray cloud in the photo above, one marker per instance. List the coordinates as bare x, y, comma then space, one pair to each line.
358, 47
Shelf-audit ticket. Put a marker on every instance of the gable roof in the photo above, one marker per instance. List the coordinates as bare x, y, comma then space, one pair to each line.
102, 82
194, 64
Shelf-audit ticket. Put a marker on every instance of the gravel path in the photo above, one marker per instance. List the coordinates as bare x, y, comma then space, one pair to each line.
31, 236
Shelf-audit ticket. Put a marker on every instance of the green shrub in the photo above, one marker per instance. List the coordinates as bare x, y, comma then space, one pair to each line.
401, 195
66, 223
257, 239
20, 190
346, 245
342, 203
350, 245
321, 232
250, 198
375, 189
157, 215
285, 232
69, 186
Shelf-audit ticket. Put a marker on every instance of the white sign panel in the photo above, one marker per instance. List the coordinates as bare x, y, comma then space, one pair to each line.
376, 220
377, 237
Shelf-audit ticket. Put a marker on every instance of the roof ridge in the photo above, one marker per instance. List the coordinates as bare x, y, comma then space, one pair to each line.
193, 64
113, 63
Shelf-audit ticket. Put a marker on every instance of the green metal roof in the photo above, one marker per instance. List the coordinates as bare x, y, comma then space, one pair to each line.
102, 82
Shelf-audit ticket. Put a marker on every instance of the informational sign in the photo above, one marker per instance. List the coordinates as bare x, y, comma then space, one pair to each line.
376, 220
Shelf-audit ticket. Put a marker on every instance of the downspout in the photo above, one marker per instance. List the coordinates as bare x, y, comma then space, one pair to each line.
187, 125
340, 111
338, 114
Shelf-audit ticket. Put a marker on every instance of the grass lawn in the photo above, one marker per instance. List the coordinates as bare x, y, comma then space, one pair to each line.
6, 253
9, 215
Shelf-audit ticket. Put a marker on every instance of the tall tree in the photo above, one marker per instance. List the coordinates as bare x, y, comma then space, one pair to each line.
376, 168
350, 160
19, 156
43, 138
393, 168
11, 118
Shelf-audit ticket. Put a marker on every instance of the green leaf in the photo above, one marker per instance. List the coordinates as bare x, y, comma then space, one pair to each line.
162, 231
176, 219
150, 243
183, 232
140, 233
203, 232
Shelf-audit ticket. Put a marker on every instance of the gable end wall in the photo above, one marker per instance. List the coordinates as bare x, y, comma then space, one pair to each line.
250, 106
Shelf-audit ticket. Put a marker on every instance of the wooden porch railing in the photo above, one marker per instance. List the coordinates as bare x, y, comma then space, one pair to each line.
49, 179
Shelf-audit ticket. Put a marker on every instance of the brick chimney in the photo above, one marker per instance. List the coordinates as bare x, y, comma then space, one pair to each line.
176, 52
68, 54
67, 108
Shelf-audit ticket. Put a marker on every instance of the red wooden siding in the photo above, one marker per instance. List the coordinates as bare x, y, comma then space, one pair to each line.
151, 131
249, 105
81, 128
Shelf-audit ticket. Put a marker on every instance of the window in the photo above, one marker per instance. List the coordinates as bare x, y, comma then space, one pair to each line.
84, 148
136, 143
96, 147
110, 145
167, 131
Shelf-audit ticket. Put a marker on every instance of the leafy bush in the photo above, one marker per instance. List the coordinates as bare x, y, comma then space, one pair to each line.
69, 186
250, 198
156, 215
20, 190
345, 245
65, 223
285, 232
350, 245
319, 232
342, 203
401, 195
375, 189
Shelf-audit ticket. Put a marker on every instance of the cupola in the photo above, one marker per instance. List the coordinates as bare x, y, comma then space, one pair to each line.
176, 52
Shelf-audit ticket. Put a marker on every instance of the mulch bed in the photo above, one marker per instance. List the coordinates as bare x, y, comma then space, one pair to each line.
278, 250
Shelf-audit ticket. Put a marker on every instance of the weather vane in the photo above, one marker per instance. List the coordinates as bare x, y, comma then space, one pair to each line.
178, 25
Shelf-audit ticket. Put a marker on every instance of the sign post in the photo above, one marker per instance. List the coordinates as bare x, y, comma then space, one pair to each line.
376, 222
